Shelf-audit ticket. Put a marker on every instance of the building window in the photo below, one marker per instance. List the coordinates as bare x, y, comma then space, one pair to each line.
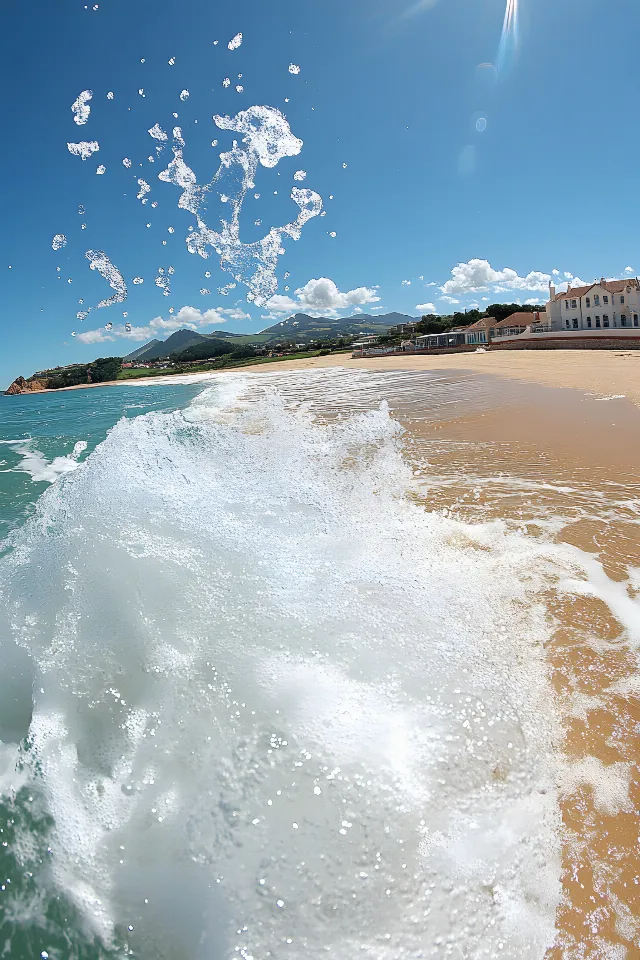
588, 301
589, 322
567, 322
621, 299
596, 300
605, 299
605, 319
635, 319
597, 321
575, 324
574, 304
623, 320
566, 303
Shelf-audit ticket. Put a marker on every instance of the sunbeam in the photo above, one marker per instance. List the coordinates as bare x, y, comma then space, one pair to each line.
510, 36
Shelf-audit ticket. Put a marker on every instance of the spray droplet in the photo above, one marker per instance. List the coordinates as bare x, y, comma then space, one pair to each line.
184, 95
235, 42
294, 69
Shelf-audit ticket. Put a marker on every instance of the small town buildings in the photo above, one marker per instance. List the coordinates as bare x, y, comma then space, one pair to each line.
404, 329
607, 305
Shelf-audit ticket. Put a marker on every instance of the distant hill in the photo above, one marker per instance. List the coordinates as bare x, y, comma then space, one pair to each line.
304, 328
176, 343
300, 328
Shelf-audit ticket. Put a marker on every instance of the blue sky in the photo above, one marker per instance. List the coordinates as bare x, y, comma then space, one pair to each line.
511, 174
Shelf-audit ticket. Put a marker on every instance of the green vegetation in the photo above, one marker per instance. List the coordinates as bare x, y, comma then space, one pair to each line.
228, 361
98, 371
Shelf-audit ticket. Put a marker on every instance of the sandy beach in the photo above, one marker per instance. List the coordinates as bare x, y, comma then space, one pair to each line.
597, 371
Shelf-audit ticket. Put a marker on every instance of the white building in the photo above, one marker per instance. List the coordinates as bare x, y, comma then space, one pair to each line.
609, 304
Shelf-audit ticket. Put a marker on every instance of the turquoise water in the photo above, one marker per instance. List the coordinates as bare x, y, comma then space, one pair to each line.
253, 694
50, 425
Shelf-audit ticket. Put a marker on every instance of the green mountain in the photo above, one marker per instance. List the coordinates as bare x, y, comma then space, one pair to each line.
176, 343
300, 328
303, 328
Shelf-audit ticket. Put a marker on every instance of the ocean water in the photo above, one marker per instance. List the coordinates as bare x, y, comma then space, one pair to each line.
259, 696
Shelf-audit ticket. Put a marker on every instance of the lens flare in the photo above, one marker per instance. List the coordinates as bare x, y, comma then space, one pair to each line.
510, 36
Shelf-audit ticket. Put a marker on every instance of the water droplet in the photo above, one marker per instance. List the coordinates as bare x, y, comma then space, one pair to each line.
184, 95
294, 69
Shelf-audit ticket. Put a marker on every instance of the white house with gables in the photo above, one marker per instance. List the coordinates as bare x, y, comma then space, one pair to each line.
607, 305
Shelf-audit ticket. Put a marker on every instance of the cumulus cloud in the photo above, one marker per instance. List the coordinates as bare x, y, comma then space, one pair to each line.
478, 275
186, 318
532, 302
569, 276
629, 270
556, 273
449, 299
321, 298
425, 307
94, 336
406, 283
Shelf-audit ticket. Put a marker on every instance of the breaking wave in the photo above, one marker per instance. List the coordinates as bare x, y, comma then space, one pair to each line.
279, 708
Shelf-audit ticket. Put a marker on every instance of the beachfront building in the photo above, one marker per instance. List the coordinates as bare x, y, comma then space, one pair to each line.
518, 323
607, 305
479, 333
441, 341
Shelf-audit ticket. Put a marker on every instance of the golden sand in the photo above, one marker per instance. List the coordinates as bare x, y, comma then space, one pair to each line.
603, 372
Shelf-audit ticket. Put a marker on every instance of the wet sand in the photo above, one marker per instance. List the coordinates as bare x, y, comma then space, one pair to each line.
604, 372
564, 466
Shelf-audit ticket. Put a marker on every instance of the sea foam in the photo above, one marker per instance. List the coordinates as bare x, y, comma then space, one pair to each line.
280, 709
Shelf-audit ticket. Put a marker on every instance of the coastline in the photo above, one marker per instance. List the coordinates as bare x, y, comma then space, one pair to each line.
605, 374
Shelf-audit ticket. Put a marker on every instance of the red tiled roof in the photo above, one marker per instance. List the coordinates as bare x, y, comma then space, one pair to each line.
611, 286
482, 324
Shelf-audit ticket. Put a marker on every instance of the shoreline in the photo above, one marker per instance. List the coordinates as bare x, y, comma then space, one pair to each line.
605, 374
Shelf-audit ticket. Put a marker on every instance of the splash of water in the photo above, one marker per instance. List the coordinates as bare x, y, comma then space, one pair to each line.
268, 139
98, 260
278, 708
84, 149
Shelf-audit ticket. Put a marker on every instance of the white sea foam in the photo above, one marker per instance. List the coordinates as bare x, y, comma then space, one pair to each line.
280, 709
39, 468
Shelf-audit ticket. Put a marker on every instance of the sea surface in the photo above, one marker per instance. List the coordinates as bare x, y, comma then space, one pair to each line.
293, 665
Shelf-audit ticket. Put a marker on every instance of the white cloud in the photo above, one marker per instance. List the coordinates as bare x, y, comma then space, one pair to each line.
556, 273
187, 317
431, 284
321, 298
629, 270
426, 307
569, 276
94, 336
449, 299
406, 283
479, 275
532, 302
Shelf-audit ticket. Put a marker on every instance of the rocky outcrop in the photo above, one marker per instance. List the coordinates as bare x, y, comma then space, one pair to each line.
20, 385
